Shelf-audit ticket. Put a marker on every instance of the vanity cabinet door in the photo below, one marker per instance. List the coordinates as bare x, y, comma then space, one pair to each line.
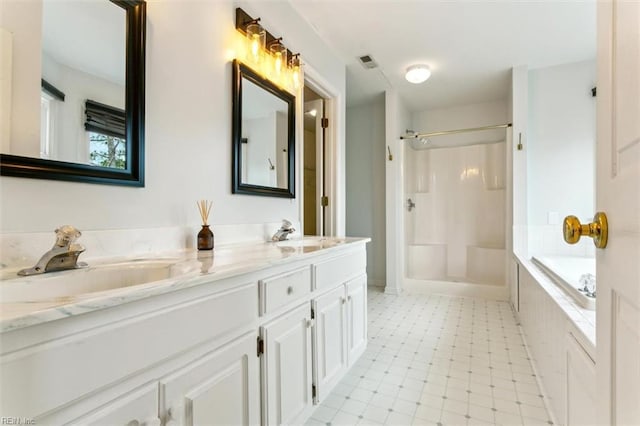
330, 340
356, 318
220, 388
286, 367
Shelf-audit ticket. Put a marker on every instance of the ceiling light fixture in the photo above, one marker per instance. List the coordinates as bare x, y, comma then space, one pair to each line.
417, 74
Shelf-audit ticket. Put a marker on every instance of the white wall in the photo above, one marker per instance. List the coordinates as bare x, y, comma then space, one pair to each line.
519, 112
188, 124
23, 20
561, 154
462, 117
397, 120
260, 134
365, 182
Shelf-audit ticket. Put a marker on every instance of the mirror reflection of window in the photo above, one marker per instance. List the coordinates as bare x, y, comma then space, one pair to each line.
106, 131
47, 112
51, 99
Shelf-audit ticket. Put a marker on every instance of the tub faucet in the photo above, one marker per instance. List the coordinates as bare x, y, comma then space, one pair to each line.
63, 255
284, 231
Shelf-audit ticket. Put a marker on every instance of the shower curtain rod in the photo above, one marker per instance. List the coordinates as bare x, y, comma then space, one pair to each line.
451, 132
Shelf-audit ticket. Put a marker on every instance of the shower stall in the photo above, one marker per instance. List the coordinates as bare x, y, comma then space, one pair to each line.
455, 215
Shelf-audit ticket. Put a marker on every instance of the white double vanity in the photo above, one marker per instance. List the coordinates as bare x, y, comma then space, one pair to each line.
246, 334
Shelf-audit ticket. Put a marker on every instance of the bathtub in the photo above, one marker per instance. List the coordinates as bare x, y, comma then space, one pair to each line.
566, 271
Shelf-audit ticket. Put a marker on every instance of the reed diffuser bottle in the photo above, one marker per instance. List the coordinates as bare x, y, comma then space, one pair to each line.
205, 236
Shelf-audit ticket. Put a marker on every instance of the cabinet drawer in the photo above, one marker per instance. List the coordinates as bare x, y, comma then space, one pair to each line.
279, 290
139, 407
339, 270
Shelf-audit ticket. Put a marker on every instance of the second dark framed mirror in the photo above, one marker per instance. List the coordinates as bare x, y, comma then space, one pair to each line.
263, 136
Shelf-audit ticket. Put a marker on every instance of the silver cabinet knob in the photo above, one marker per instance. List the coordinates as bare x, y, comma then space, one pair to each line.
289, 290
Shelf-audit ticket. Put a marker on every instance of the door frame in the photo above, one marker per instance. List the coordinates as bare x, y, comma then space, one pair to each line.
318, 105
334, 153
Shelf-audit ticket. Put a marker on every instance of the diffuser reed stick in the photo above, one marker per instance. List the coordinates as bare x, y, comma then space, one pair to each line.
205, 236
204, 207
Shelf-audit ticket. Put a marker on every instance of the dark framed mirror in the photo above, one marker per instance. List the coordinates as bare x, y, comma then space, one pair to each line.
93, 85
263, 136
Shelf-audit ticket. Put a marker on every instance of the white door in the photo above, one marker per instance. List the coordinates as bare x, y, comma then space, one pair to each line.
222, 387
356, 318
618, 195
330, 340
313, 172
286, 368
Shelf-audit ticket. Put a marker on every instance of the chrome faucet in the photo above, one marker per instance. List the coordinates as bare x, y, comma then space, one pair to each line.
284, 231
63, 255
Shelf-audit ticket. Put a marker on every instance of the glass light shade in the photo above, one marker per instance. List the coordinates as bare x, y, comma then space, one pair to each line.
296, 72
417, 74
279, 53
256, 39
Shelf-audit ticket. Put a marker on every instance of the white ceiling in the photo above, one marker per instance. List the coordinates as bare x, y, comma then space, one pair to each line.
470, 46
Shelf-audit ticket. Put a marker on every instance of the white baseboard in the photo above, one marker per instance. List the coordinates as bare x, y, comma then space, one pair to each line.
461, 289
375, 283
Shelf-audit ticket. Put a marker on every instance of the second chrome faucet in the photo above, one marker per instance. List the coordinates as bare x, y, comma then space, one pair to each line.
284, 231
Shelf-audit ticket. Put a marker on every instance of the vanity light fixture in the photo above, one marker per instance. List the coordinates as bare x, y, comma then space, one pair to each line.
267, 54
417, 74
279, 53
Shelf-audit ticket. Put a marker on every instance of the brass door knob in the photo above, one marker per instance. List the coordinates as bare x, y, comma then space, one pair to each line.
598, 230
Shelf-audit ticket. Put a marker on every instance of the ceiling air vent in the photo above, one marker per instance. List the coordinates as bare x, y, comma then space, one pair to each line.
368, 62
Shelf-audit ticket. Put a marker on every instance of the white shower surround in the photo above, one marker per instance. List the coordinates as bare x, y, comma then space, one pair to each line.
456, 233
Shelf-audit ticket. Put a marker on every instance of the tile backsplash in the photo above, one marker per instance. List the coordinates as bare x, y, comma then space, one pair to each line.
548, 240
25, 249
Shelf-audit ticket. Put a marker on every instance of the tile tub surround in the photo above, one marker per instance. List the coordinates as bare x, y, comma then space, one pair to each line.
437, 360
583, 319
566, 272
549, 319
223, 262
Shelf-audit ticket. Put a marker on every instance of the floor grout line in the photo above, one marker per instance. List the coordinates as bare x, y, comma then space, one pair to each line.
430, 344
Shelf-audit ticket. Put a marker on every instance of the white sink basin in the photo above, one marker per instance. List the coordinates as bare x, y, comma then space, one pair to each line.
85, 282
310, 242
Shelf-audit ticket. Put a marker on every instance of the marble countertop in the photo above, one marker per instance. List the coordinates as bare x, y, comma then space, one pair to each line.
195, 268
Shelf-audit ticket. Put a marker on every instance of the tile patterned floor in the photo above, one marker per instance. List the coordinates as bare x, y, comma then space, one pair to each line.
437, 360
